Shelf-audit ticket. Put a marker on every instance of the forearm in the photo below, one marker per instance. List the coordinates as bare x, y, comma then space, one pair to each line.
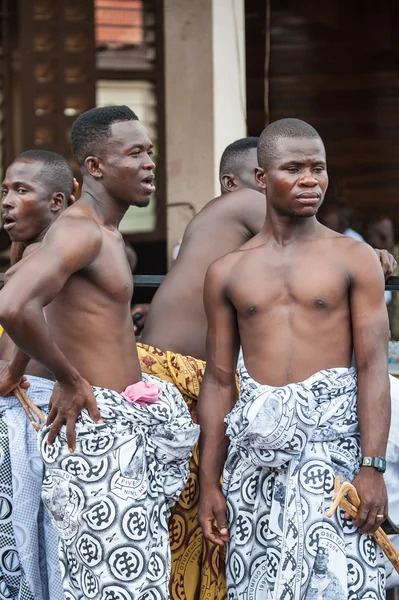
374, 409
30, 332
214, 403
18, 362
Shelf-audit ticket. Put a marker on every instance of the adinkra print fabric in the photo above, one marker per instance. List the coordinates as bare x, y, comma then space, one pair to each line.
110, 500
286, 445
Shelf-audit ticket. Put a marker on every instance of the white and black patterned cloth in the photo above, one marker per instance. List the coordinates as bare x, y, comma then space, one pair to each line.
286, 445
29, 566
110, 500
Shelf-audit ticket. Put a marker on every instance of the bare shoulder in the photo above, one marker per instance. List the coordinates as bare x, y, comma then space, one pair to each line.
360, 259
219, 271
76, 224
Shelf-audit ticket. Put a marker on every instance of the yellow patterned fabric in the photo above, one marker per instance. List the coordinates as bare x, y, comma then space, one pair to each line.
198, 567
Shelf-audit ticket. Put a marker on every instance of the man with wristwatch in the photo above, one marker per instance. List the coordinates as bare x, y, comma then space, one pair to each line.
300, 299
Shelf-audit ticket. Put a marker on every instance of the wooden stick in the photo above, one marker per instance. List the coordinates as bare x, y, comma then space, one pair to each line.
351, 505
29, 406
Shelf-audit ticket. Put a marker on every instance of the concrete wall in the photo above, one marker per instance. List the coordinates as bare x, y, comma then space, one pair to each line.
205, 100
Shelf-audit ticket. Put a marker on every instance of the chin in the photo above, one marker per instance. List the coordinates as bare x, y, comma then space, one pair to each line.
142, 203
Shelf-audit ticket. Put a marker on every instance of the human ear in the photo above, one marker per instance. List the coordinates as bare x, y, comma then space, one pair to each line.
57, 201
94, 166
229, 182
260, 177
72, 197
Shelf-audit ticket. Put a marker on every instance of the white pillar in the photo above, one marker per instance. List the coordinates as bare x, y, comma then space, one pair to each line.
205, 99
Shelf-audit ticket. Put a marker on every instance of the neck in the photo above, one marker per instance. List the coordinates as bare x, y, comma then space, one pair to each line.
109, 210
286, 229
39, 238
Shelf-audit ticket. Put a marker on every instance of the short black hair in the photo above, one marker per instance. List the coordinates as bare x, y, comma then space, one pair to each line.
284, 128
57, 174
234, 154
92, 128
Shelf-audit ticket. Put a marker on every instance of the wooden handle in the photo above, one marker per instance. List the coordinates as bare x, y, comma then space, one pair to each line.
351, 505
29, 406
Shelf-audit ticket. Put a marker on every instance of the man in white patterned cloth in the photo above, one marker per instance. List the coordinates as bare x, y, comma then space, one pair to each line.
36, 189
116, 445
300, 298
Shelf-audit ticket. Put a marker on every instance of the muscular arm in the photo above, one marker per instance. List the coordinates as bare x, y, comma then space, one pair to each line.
370, 329
216, 400
70, 245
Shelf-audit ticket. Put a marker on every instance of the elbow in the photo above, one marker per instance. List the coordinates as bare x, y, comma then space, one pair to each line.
9, 315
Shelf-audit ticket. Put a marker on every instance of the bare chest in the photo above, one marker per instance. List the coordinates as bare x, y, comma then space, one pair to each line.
314, 286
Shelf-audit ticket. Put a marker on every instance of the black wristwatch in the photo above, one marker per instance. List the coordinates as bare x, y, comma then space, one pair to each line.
379, 463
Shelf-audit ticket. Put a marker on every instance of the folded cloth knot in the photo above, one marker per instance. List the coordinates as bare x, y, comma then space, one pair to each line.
142, 392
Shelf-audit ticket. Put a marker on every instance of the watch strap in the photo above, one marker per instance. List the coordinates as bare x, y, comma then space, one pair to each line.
378, 462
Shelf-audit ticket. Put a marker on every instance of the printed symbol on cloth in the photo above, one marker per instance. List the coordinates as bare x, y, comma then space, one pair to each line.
272, 562
126, 563
151, 594
156, 568
10, 561
236, 567
381, 581
89, 550
263, 533
90, 586
305, 572
243, 528
97, 444
313, 535
371, 595
50, 453
101, 515
317, 477
5, 507
114, 592
154, 521
72, 562
249, 488
135, 523
177, 531
297, 442
355, 575
368, 550
69, 596
78, 467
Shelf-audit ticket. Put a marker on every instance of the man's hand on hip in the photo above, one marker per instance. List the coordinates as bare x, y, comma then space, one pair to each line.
373, 496
212, 516
67, 402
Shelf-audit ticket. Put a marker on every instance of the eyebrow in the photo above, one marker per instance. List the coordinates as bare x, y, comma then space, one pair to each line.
141, 147
299, 163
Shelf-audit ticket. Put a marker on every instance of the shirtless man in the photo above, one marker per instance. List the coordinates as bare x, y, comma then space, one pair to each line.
80, 277
176, 320
37, 188
299, 298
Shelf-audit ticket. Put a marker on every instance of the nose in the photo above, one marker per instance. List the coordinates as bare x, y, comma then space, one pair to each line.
308, 179
149, 163
7, 201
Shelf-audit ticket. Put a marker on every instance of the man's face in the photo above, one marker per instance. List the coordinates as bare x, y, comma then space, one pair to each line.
26, 203
321, 561
296, 177
381, 235
127, 166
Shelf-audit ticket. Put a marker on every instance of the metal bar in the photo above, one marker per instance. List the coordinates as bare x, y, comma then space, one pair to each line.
155, 281
149, 280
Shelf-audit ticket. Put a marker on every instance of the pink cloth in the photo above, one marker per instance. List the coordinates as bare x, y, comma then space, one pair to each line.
142, 392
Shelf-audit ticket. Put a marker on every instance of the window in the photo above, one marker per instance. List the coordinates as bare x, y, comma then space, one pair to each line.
129, 72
